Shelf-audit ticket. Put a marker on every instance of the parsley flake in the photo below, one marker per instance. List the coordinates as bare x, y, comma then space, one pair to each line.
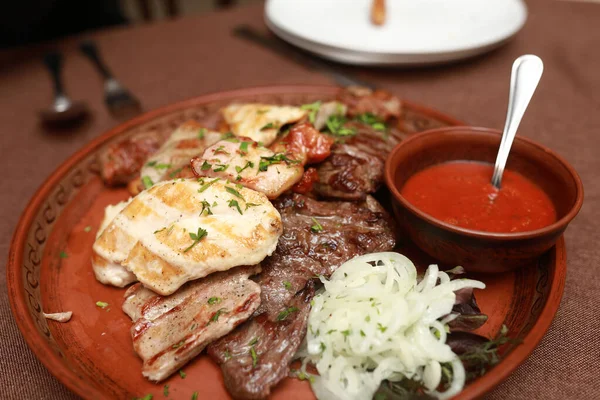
312, 109
174, 173
101, 304
335, 125
254, 357
234, 192
287, 285
205, 207
248, 205
63, 255
216, 316
381, 327
270, 125
214, 300
195, 396
220, 150
166, 391
372, 120
196, 237
317, 227
205, 166
87, 229
147, 182
278, 158
201, 133
249, 164
253, 342
285, 313
244, 148
221, 167
234, 203
182, 374
178, 345
207, 185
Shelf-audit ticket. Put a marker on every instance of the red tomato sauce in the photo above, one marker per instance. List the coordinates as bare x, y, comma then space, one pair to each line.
460, 193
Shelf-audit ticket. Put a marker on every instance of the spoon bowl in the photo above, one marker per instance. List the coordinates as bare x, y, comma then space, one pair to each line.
61, 112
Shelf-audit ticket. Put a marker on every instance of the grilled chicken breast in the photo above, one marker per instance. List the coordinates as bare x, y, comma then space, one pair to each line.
186, 142
107, 266
260, 122
170, 331
178, 231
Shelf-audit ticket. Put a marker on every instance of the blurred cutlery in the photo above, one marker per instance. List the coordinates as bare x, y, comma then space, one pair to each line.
63, 109
120, 102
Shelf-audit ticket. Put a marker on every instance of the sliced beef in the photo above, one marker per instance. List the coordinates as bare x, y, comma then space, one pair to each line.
380, 103
121, 161
256, 356
318, 236
356, 165
168, 331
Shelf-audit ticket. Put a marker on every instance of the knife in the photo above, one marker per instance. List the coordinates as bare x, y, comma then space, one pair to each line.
250, 34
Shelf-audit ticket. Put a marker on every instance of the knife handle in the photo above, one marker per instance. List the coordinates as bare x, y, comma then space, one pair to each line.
88, 47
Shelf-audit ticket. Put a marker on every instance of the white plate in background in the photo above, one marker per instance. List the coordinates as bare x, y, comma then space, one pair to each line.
415, 31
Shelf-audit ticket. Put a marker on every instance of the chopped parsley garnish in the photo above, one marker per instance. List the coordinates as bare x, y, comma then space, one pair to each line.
63, 255
220, 150
216, 316
201, 133
214, 300
323, 347
221, 167
87, 228
234, 192
159, 230
346, 332
157, 165
302, 376
170, 229
227, 135
207, 185
166, 391
287, 285
205, 207
146, 397
381, 327
254, 357
195, 396
329, 332
244, 148
373, 121
249, 164
101, 304
205, 166
248, 205
227, 355
174, 173
362, 333
317, 227
368, 318
147, 182
182, 374
284, 314
253, 342
335, 125
274, 159
150, 163
234, 203
312, 109
270, 125
196, 237
178, 345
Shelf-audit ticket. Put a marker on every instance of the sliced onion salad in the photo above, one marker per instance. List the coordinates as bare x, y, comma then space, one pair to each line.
374, 321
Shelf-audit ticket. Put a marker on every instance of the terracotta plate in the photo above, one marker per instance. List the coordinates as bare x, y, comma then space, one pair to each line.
49, 269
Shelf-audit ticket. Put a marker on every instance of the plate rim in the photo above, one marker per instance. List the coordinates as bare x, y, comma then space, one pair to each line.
56, 365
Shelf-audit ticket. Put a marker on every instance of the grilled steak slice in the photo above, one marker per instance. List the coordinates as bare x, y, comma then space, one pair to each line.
355, 167
169, 331
318, 236
380, 103
122, 161
256, 356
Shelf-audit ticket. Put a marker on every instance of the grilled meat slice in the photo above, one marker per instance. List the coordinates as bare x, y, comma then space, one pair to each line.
355, 167
319, 236
170, 331
256, 356
121, 161
380, 103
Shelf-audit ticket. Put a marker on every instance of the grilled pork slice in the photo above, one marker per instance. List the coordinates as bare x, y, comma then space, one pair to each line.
178, 231
186, 142
256, 356
121, 161
361, 100
170, 331
260, 122
270, 171
107, 267
250, 165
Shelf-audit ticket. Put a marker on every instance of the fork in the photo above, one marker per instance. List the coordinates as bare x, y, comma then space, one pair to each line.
120, 102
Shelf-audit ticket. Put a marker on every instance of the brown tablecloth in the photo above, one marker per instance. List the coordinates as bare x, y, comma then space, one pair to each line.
170, 61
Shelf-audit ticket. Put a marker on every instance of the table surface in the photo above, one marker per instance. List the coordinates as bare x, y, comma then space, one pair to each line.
173, 60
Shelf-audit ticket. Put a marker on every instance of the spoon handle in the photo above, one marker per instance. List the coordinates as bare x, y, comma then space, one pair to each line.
53, 61
526, 73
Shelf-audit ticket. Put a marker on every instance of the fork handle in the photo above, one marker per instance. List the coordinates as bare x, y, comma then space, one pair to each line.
53, 61
89, 48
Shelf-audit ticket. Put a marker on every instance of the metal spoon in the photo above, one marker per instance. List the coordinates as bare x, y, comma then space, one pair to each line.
62, 109
526, 73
